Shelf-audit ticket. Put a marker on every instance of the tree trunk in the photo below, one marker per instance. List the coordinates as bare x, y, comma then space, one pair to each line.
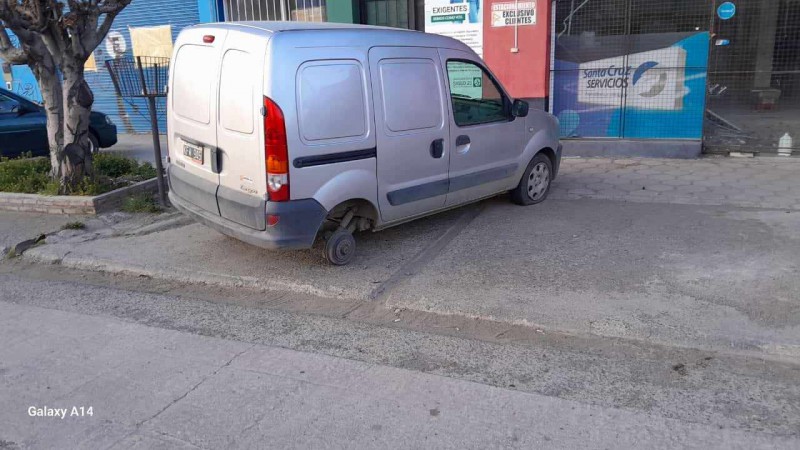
76, 159
52, 95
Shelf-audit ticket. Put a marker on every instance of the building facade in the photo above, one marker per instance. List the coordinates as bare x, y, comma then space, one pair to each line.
625, 77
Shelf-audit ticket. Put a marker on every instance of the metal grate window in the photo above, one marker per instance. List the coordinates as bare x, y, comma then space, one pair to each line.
754, 77
258, 10
386, 13
724, 71
630, 68
308, 10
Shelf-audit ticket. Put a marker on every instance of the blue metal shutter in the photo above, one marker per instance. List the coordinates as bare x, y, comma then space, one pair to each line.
130, 115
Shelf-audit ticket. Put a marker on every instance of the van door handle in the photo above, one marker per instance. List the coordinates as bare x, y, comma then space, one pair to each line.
216, 160
462, 144
437, 148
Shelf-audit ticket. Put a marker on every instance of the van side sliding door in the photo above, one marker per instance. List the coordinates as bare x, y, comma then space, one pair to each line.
413, 138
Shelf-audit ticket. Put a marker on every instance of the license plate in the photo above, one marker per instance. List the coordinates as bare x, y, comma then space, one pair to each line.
193, 152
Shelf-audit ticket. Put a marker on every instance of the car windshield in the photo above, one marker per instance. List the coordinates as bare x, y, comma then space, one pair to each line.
8, 104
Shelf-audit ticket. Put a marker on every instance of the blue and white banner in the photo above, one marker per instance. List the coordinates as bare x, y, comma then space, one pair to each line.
642, 86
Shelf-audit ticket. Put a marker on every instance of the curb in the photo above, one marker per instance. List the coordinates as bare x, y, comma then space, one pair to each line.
79, 262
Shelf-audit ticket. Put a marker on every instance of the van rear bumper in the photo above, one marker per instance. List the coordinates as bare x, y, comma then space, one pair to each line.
297, 227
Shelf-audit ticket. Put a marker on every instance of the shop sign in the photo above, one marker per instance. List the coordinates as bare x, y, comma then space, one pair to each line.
458, 19
653, 80
508, 14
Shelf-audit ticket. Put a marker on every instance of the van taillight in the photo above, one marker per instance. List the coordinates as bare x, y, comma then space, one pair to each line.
276, 152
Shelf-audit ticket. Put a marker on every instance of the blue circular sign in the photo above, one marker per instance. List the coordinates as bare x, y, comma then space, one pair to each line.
726, 10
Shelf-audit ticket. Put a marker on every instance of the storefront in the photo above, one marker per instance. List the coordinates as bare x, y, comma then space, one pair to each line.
635, 77
625, 77
629, 76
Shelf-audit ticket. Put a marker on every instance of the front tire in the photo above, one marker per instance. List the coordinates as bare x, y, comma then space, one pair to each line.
535, 183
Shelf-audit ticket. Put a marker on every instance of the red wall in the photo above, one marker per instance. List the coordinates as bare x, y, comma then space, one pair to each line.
525, 74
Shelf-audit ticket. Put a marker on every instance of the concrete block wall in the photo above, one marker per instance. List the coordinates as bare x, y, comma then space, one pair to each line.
77, 205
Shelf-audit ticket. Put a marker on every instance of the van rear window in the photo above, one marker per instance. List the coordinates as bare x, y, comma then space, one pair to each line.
236, 103
191, 85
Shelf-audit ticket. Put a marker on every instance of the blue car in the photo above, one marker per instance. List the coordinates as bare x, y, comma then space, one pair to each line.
23, 127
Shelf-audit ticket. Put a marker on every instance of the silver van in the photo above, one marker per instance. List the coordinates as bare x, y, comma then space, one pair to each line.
282, 132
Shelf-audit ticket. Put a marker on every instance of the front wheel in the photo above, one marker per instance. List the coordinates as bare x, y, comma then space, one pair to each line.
535, 183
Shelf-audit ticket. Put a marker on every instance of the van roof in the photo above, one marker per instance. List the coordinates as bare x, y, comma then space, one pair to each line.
337, 32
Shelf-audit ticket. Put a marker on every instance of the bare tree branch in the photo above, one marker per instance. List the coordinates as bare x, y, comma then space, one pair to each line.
112, 6
110, 9
10, 53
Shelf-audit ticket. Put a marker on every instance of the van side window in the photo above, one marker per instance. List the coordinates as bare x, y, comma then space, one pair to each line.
330, 100
475, 95
412, 94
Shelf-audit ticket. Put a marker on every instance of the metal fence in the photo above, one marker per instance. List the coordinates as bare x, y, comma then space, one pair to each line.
754, 76
299, 10
630, 68
139, 77
144, 77
387, 13
726, 72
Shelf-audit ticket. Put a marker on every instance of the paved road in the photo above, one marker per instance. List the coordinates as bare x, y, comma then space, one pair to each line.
138, 146
151, 387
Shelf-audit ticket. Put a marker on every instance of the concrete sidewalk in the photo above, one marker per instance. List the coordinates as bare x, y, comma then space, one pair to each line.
155, 388
763, 182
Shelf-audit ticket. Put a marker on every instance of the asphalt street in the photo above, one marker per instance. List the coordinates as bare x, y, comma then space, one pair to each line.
154, 383
138, 146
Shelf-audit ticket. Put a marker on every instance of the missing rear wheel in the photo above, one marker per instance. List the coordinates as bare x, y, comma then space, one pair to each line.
340, 247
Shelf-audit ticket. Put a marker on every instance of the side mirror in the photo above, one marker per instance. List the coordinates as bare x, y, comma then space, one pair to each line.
519, 108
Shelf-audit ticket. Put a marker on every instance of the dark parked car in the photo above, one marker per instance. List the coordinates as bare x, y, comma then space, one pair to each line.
23, 127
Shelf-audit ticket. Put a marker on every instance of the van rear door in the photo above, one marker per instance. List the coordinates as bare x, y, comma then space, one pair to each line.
242, 193
192, 117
